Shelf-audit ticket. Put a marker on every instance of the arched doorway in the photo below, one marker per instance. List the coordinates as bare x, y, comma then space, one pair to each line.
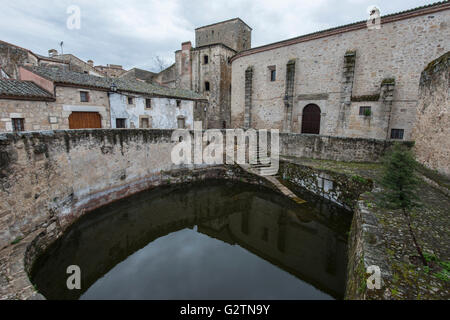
311, 119
85, 120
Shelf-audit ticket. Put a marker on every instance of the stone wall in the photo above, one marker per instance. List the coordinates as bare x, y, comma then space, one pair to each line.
69, 101
341, 189
193, 73
53, 177
432, 129
333, 148
232, 33
12, 57
37, 115
400, 49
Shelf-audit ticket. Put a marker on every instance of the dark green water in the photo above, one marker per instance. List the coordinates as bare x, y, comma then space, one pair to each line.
215, 240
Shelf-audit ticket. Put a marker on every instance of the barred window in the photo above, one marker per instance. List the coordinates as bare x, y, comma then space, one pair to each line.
18, 125
397, 134
365, 111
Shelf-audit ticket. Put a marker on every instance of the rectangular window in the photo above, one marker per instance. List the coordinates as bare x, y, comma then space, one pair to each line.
205, 59
121, 123
181, 123
365, 111
207, 86
145, 123
178, 103
397, 134
84, 96
130, 100
148, 103
273, 75
18, 125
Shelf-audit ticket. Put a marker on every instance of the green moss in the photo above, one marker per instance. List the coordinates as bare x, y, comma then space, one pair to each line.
372, 97
16, 241
359, 179
442, 59
388, 81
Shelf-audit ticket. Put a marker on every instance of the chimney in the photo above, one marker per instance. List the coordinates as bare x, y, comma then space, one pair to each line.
90, 62
52, 53
186, 46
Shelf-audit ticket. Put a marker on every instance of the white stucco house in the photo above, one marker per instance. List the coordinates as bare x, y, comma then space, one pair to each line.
136, 104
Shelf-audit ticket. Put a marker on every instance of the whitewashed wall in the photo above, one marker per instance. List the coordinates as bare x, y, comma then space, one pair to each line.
163, 114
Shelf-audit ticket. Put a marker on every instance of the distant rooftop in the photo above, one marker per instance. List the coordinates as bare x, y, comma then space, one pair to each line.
63, 76
11, 88
226, 21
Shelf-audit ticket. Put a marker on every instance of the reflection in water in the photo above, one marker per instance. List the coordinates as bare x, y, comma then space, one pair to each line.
216, 240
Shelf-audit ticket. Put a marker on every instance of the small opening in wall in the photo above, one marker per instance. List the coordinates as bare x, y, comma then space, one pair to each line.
145, 123
273, 73
130, 100
84, 96
148, 103
205, 59
181, 123
397, 134
121, 123
18, 124
178, 103
365, 111
207, 86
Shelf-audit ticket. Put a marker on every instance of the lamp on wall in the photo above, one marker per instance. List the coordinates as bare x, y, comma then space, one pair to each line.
113, 88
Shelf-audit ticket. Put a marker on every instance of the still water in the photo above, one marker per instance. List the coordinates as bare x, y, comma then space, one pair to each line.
215, 240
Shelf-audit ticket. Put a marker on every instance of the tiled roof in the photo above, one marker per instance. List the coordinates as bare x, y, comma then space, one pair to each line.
62, 76
22, 89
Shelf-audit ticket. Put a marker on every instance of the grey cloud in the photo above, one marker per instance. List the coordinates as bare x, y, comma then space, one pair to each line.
131, 33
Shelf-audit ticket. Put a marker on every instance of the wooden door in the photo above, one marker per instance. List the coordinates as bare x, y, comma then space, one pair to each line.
85, 120
311, 119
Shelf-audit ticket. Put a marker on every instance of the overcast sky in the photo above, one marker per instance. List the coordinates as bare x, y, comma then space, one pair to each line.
133, 32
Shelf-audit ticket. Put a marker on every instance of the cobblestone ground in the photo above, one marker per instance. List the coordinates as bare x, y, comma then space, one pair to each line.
430, 223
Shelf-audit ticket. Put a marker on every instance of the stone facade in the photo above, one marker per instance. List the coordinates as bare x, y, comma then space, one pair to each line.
432, 129
68, 101
12, 57
138, 74
54, 115
167, 77
234, 33
110, 70
205, 69
343, 69
78, 65
37, 115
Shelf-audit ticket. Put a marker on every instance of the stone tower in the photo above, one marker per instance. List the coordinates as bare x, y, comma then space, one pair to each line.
205, 69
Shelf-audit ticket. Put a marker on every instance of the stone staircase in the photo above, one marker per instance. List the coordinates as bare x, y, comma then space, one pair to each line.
261, 166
